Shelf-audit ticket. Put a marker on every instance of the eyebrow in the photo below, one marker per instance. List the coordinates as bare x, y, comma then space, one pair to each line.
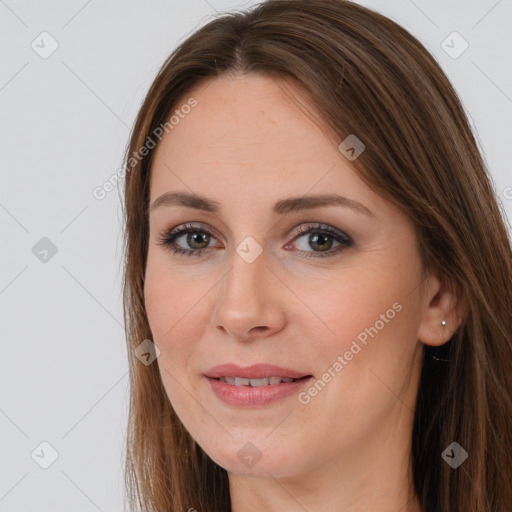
283, 206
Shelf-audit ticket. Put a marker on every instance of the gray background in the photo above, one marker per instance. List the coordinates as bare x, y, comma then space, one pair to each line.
65, 121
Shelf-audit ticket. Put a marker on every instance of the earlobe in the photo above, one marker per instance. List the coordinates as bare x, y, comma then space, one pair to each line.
442, 314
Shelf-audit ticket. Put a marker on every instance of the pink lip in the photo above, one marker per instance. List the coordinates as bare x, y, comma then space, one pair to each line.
247, 396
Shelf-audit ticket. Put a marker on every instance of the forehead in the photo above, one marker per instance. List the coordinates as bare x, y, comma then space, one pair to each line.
252, 135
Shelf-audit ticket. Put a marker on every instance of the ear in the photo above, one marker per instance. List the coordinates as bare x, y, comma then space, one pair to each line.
443, 312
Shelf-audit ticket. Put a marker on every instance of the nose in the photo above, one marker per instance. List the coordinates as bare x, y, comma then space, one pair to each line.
248, 304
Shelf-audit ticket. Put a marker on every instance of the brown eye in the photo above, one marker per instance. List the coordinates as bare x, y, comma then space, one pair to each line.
187, 240
198, 240
320, 240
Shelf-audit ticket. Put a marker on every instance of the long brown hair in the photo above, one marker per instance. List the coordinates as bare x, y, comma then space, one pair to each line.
368, 76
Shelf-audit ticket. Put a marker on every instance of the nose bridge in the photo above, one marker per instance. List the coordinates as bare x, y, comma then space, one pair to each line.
248, 268
242, 287
242, 302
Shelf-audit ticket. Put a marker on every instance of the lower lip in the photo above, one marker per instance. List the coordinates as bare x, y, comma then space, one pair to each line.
248, 396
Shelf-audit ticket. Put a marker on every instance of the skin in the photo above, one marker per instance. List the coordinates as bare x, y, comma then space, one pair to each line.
247, 144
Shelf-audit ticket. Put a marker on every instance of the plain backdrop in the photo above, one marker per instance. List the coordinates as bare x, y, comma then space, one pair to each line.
65, 120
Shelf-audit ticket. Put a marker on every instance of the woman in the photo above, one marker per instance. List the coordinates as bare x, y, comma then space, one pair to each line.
313, 246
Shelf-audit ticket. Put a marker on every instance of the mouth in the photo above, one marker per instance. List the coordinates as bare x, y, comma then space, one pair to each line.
261, 374
259, 385
256, 383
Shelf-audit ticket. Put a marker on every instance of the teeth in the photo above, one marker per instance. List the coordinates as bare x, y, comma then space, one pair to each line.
265, 381
257, 382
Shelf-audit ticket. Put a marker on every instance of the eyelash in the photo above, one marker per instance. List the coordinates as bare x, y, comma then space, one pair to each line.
168, 240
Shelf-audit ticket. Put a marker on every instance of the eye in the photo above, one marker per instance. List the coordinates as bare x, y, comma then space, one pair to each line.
196, 238
191, 240
321, 239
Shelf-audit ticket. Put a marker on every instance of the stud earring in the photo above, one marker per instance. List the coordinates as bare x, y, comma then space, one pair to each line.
443, 324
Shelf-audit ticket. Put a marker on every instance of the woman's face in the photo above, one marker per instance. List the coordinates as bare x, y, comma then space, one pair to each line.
329, 291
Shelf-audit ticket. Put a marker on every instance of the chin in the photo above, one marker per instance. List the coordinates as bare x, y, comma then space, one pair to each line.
254, 459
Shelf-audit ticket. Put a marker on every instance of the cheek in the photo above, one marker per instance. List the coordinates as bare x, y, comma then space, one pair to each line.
375, 319
362, 306
373, 316
168, 296
173, 313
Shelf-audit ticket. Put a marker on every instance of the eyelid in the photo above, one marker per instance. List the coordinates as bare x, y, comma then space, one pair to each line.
307, 227
303, 228
182, 229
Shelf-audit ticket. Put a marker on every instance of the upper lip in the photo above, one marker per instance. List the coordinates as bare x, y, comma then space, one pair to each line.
255, 371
